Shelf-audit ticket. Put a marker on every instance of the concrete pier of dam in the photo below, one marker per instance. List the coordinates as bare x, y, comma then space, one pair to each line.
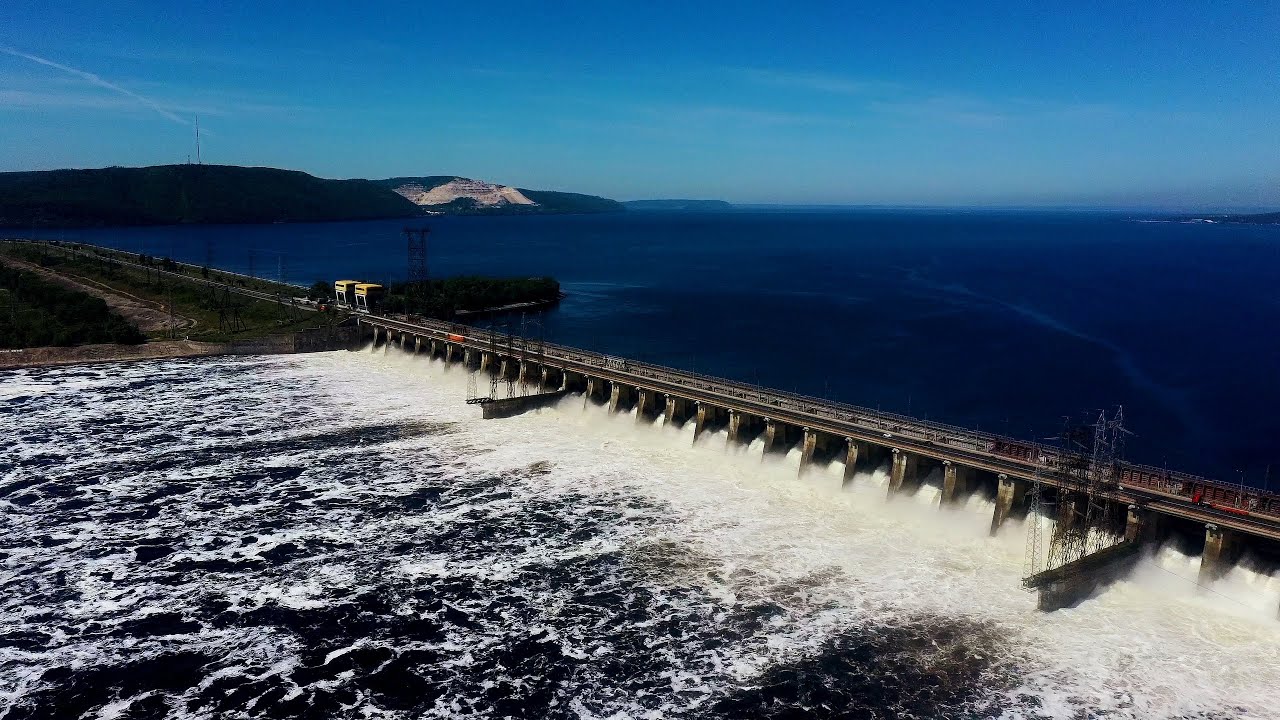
1226, 519
1006, 469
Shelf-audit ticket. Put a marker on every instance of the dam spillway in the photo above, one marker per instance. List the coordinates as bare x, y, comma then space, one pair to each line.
379, 504
1230, 517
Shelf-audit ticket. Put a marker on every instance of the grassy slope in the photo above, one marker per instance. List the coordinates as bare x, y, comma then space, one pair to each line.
176, 194
191, 300
35, 312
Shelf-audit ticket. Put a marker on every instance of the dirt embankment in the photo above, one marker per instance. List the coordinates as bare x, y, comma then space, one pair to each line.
148, 315
50, 356
303, 341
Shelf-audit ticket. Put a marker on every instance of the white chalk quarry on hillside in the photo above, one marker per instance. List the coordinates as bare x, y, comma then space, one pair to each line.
483, 193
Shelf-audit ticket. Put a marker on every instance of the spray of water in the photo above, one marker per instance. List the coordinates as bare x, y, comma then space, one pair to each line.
1155, 644
741, 575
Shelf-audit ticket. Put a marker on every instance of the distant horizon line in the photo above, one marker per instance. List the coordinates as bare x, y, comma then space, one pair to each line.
1033, 207
1164, 209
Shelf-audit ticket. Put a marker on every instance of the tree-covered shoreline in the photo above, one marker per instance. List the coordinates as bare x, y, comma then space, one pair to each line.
36, 313
443, 299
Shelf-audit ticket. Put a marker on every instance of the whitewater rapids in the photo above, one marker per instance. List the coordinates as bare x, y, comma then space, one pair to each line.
340, 535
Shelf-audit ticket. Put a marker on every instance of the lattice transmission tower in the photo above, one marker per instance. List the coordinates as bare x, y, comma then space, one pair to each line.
1086, 520
532, 351
229, 320
499, 340
416, 245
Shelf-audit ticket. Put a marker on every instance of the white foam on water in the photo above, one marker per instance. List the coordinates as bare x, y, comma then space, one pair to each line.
830, 556
1153, 645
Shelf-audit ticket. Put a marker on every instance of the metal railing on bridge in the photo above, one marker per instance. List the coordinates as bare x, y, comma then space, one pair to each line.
1228, 497
1051, 461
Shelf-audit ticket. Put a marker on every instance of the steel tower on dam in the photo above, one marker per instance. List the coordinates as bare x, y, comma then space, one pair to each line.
1090, 496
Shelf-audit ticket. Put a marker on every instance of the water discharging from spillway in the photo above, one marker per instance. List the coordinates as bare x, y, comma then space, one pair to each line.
340, 531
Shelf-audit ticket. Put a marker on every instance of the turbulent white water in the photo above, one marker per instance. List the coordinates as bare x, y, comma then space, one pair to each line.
340, 535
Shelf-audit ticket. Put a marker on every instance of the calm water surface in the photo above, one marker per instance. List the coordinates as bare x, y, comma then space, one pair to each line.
1003, 321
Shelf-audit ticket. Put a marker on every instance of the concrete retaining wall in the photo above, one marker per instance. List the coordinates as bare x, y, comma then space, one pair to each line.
509, 407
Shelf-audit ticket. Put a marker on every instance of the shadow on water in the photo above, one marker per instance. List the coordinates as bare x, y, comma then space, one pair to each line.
930, 668
529, 606
230, 443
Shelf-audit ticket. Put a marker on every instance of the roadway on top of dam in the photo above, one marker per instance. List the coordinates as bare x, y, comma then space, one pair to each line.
927, 439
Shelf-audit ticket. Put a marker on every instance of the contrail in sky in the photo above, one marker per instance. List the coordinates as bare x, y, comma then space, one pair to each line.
96, 80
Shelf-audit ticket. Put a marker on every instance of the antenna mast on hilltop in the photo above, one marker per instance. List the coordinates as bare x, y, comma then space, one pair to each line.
198, 140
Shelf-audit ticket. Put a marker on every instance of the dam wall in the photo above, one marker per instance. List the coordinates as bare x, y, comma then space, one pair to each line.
824, 431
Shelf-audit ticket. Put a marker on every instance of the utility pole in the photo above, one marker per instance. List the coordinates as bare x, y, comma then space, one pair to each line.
416, 244
173, 327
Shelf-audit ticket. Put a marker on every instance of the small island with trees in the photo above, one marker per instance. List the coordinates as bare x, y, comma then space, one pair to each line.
467, 296
63, 303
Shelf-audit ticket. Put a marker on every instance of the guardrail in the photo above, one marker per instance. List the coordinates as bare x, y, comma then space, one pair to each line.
1048, 460
1226, 497
831, 409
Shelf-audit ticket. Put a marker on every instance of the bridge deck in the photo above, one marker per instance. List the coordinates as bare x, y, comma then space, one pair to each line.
1169, 492
1020, 459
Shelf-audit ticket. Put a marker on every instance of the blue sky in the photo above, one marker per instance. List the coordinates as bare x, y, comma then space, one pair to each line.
1106, 103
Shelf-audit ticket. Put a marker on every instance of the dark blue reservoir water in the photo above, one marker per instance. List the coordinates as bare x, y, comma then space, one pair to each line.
1002, 321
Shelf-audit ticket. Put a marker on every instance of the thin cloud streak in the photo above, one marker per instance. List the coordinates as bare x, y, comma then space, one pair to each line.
891, 98
96, 80
953, 110
37, 99
817, 82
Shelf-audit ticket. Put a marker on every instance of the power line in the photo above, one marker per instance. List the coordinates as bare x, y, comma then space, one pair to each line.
1198, 584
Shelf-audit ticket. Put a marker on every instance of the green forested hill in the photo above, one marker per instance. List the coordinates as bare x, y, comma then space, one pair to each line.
552, 201
177, 194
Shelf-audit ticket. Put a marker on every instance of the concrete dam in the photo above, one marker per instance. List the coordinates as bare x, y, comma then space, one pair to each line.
1104, 510
1128, 505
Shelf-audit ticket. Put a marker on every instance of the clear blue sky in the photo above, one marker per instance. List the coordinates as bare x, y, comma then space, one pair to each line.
1108, 103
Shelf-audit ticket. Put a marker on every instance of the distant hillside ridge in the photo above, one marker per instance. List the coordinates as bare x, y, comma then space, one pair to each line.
678, 205
1272, 218
189, 194
553, 201
455, 195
